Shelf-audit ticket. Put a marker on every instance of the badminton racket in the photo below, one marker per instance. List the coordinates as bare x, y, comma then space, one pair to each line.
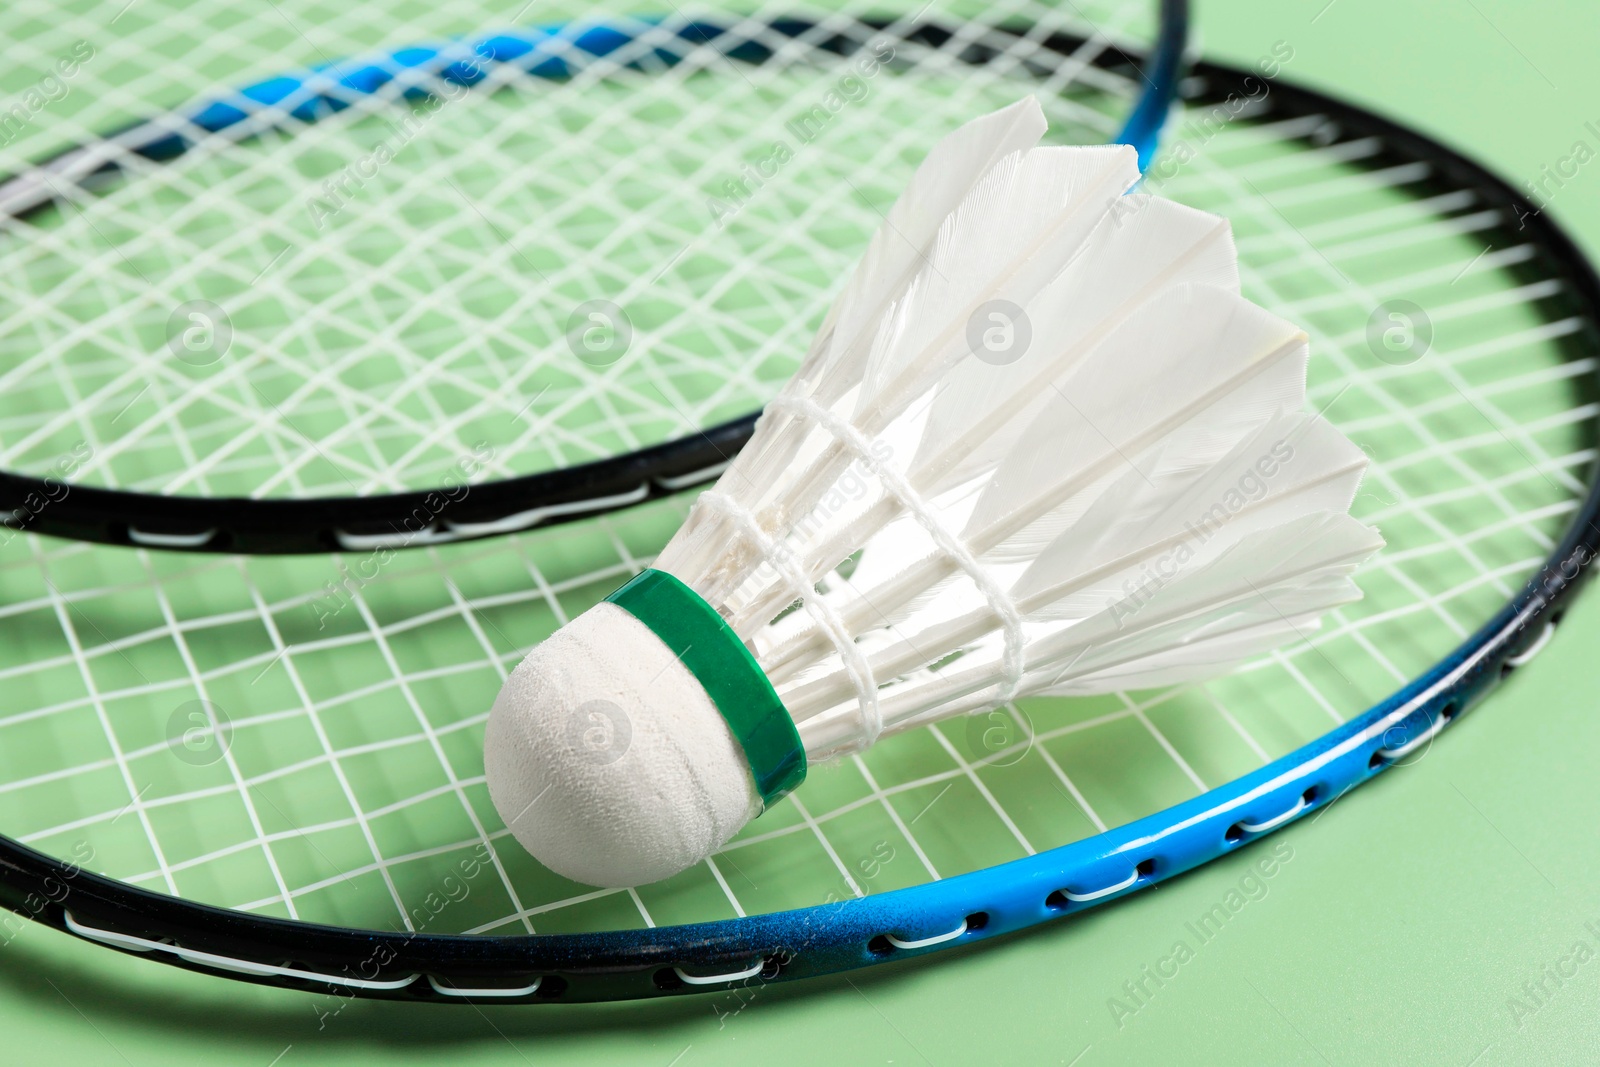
270, 768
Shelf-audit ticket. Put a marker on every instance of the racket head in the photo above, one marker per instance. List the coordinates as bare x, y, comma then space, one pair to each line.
1043, 810
401, 296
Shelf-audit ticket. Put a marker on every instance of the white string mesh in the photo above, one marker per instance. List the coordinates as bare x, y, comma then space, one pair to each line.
948, 542
823, 613
351, 691
385, 287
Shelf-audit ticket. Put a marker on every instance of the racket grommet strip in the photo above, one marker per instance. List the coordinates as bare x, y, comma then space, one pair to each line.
925, 942
1301, 803
1399, 752
719, 979
153, 539
232, 964
1533, 649
459, 991
1097, 894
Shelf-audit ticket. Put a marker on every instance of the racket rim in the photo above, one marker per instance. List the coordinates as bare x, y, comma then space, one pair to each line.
934, 916
242, 525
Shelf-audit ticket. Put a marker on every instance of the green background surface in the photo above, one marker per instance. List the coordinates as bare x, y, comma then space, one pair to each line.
1398, 931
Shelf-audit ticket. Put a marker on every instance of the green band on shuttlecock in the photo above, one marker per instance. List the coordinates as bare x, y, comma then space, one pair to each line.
733, 680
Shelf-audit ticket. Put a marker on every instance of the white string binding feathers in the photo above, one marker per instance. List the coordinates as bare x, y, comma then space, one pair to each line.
1004, 607
819, 609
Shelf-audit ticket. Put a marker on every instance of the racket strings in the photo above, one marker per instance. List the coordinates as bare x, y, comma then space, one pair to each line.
1500, 536
349, 692
1471, 397
351, 374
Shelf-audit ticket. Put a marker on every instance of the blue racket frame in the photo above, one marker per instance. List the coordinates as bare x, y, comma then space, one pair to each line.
956, 911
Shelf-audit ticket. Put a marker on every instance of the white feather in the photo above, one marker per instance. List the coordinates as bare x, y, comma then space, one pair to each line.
1013, 233
1290, 466
1282, 577
1141, 248
902, 243
1149, 393
1175, 358
837, 356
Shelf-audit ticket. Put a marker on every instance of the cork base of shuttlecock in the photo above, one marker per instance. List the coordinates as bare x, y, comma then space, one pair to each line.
608, 761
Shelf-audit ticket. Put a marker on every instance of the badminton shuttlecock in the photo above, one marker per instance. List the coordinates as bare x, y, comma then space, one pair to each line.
1040, 445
